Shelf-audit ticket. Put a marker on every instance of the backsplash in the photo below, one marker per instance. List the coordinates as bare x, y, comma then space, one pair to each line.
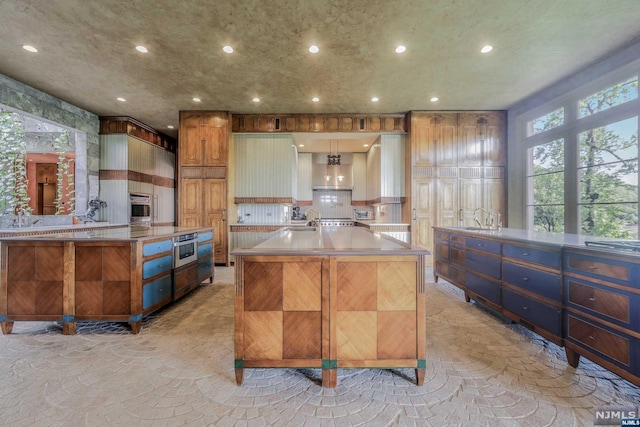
264, 214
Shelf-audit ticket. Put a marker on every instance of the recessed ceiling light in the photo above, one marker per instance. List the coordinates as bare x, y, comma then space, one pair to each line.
401, 49
300, 145
315, 99
29, 48
256, 99
486, 49
365, 145
121, 99
228, 49
170, 127
142, 49
197, 99
314, 49
375, 99
434, 99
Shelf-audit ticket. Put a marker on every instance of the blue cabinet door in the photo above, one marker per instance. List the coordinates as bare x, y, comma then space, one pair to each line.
540, 282
483, 287
540, 314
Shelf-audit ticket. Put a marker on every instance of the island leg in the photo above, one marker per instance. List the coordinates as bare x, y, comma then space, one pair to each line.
420, 376
330, 378
467, 298
573, 358
136, 326
68, 328
239, 376
7, 327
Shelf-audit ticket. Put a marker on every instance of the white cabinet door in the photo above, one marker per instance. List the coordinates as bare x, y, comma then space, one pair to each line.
163, 205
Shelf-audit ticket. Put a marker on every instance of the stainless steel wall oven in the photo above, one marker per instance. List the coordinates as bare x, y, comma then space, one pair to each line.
140, 209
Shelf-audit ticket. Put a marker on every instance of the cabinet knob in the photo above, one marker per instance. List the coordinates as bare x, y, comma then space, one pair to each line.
525, 253
592, 299
591, 338
525, 308
593, 267
525, 278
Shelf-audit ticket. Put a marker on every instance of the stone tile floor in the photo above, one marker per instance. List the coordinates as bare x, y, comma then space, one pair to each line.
179, 371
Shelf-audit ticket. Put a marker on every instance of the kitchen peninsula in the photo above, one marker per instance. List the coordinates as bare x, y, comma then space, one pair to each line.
118, 274
330, 298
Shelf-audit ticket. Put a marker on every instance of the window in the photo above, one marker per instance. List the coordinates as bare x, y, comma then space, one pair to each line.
546, 186
610, 97
546, 122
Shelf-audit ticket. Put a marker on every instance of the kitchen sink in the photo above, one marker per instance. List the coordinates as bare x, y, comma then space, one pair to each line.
302, 228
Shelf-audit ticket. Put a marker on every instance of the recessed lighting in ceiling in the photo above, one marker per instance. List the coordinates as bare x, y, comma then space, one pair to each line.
375, 99
142, 49
486, 49
300, 145
170, 127
228, 49
315, 99
314, 49
434, 99
256, 99
30, 48
401, 49
121, 99
365, 145
197, 99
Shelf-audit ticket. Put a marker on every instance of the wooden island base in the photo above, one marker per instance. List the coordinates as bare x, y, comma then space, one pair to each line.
330, 312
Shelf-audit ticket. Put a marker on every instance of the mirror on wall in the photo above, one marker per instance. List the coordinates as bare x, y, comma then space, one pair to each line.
37, 166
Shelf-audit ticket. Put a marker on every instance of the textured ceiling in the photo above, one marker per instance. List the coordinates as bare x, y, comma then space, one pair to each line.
87, 52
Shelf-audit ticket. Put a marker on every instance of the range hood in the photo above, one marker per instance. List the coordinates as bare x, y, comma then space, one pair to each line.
325, 177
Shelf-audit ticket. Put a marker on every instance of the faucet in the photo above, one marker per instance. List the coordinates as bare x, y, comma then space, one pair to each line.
21, 219
309, 213
489, 220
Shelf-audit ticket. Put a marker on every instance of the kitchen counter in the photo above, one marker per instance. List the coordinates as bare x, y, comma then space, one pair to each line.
330, 298
11, 232
124, 233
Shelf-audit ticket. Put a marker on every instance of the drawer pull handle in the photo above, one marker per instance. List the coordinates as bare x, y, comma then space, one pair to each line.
525, 308
591, 338
525, 253
593, 267
525, 278
592, 299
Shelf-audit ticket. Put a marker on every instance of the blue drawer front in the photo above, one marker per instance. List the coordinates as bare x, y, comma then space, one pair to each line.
157, 247
156, 291
542, 315
483, 264
205, 236
205, 269
205, 250
157, 266
549, 258
542, 283
483, 287
483, 245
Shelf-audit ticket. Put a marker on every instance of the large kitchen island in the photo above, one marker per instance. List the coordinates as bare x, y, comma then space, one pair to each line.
118, 274
330, 298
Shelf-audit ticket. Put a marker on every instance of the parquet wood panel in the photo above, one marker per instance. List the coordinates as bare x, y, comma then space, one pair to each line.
23, 263
21, 297
88, 264
357, 286
263, 335
263, 286
117, 297
356, 335
302, 284
89, 297
116, 263
302, 337
397, 335
396, 286
49, 297
48, 263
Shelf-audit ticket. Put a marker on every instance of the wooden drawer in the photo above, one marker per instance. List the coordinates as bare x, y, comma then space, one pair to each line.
540, 282
549, 258
614, 305
441, 268
442, 236
457, 240
185, 277
483, 245
457, 255
613, 346
477, 262
539, 314
442, 252
483, 287
458, 276
609, 269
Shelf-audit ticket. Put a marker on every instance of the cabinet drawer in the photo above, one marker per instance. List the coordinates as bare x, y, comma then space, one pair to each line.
609, 269
457, 240
458, 275
442, 251
613, 346
185, 277
483, 245
617, 306
542, 283
205, 250
205, 269
441, 235
550, 258
441, 268
157, 266
157, 247
156, 292
205, 236
483, 287
483, 264
540, 314
457, 255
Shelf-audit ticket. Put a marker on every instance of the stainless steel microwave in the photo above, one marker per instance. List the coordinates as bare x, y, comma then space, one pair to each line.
140, 209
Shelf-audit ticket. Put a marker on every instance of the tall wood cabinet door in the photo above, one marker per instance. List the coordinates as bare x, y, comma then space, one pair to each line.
215, 211
423, 139
191, 140
471, 129
494, 199
191, 198
423, 215
494, 146
215, 134
470, 200
447, 202
446, 132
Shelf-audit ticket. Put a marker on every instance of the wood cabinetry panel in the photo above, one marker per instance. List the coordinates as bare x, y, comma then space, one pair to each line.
397, 335
21, 297
356, 335
396, 286
89, 264
357, 286
23, 263
302, 286
302, 335
600, 268
49, 297
49, 265
263, 286
607, 303
263, 335
117, 263
601, 340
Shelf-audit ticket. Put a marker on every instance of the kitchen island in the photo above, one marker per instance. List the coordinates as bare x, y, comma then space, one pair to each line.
118, 274
329, 298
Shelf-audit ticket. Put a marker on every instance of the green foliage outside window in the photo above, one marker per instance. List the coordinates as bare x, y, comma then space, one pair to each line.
13, 170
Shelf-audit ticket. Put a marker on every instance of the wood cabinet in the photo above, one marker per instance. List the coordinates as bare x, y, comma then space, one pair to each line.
202, 173
457, 165
46, 173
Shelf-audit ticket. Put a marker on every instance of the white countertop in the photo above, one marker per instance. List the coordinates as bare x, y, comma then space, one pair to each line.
122, 233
